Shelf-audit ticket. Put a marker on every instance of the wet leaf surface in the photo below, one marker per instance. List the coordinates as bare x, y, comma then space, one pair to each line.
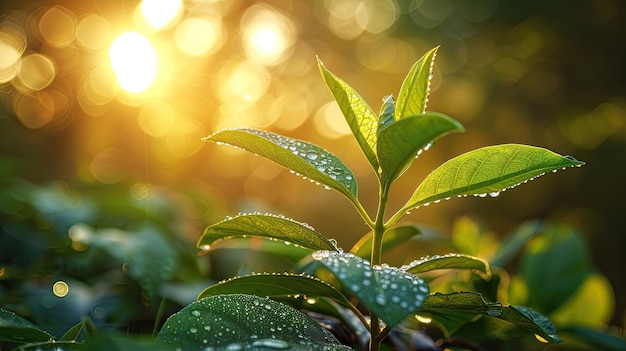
239, 321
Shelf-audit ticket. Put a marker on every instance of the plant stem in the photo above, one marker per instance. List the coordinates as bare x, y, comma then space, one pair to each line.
379, 229
377, 241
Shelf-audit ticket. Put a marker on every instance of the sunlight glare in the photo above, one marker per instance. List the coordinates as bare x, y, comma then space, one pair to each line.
11, 49
134, 61
160, 13
267, 35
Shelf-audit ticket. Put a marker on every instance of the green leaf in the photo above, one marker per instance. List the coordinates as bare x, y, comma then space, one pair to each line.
274, 285
148, 257
385, 116
542, 321
400, 143
389, 292
51, 345
558, 254
360, 117
246, 322
14, 328
413, 94
450, 310
74, 332
488, 170
598, 340
109, 341
392, 238
514, 242
449, 261
306, 159
265, 226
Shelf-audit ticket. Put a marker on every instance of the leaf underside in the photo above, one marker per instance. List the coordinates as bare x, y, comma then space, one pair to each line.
268, 227
487, 170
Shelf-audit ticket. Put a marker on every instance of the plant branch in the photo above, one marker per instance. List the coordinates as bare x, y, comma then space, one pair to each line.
363, 213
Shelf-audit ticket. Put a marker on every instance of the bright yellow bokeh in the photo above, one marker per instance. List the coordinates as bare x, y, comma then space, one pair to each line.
267, 35
199, 36
36, 72
12, 46
93, 32
58, 26
60, 289
157, 119
134, 61
159, 13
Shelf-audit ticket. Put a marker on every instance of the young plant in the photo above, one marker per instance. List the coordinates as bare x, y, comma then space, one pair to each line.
379, 296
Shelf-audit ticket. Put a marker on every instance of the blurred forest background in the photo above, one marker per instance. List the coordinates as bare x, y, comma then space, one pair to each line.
545, 73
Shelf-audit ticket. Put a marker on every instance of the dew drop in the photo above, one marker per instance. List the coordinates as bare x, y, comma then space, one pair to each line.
380, 299
494, 194
193, 330
276, 344
494, 309
571, 158
234, 347
195, 313
312, 155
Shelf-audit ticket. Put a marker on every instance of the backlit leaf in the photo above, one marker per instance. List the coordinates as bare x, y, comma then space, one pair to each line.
488, 170
385, 116
449, 261
413, 94
265, 226
360, 117
558, 254
243, 322
301, 157
389, 292
274, 285
399, 143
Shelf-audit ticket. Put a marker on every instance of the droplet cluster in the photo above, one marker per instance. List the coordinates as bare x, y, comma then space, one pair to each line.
243, 322
497, 193
380, 286
321, 159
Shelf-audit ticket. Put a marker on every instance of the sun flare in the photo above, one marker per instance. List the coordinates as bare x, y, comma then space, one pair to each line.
134, 61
